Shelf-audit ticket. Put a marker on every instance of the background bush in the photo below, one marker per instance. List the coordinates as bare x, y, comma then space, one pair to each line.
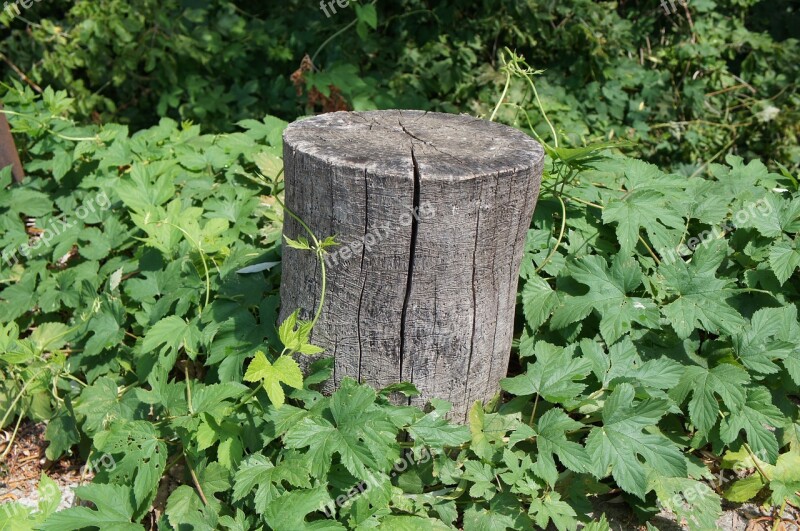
658, 341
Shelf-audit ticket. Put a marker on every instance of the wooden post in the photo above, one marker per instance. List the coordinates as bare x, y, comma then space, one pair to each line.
431, 211
8, 151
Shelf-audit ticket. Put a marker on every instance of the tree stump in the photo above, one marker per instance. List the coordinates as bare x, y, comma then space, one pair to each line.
8, 151
431, 212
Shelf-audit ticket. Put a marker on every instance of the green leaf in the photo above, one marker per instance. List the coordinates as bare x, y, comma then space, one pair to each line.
300, 243
700, 297
49, 496
744, 490
302, 503
433, 430
726, 381
62, 432
551, 440
185, 510
784, 260
637, 209
483, 479
368, 14
774, 216
259, 473
139, 459
693, 502
100, 405
478, 518
488, 430
552, 508
114, 508
268, 164
621, 441
171, 334
754, 417
362, 436
538, 301
757, 345
284, 370
608, 295
553, 375
49, 337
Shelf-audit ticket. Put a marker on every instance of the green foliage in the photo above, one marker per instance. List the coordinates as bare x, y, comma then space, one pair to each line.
687, 86
658, 317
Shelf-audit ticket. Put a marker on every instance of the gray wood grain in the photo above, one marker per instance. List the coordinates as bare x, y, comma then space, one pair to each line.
431, 211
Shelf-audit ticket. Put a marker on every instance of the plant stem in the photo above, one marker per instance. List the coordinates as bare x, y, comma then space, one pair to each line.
202, 259
11, 439
502, 96
188, 389
319, 251
19, 396
195, 480
533, 412
779, 519
755, 462
560, 235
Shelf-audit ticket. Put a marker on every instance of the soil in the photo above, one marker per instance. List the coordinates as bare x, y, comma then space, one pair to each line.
25, 463
735, 517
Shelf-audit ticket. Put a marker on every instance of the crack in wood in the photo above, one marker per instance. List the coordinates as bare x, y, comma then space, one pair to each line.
350, 173
411, 255
364, 281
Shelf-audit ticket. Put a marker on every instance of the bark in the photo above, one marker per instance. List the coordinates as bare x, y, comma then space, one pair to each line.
431, 211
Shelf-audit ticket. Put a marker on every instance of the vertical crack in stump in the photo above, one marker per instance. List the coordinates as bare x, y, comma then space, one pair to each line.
364, 281
411, 254
478, 176
479, 185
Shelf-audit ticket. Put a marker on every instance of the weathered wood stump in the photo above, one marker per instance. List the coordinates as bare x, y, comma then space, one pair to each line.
431, 211
8, 151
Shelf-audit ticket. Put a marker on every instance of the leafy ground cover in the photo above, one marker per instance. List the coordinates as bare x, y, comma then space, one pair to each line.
658, 337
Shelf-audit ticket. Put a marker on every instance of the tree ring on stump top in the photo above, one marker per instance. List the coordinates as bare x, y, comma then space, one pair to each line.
446, 147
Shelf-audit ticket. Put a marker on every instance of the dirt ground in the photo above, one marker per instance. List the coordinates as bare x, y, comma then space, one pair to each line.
24, 464
735, 517
19, 476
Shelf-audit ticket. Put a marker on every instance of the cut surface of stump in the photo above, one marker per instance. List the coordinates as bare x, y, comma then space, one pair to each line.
431, 212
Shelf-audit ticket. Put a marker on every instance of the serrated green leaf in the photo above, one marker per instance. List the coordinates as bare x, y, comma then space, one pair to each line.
284, 370
433, 430
754, 417
551, 440
553, 375
608, 295
113, 510
784, 260
725, 381
621, 441
700, 297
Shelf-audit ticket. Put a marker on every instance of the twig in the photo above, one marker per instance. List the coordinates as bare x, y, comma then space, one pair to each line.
712, 159
21, 74
195, 480
560, 235
10, 441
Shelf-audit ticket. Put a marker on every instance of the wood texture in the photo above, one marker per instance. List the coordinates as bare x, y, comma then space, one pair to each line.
8, 151
426, 298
